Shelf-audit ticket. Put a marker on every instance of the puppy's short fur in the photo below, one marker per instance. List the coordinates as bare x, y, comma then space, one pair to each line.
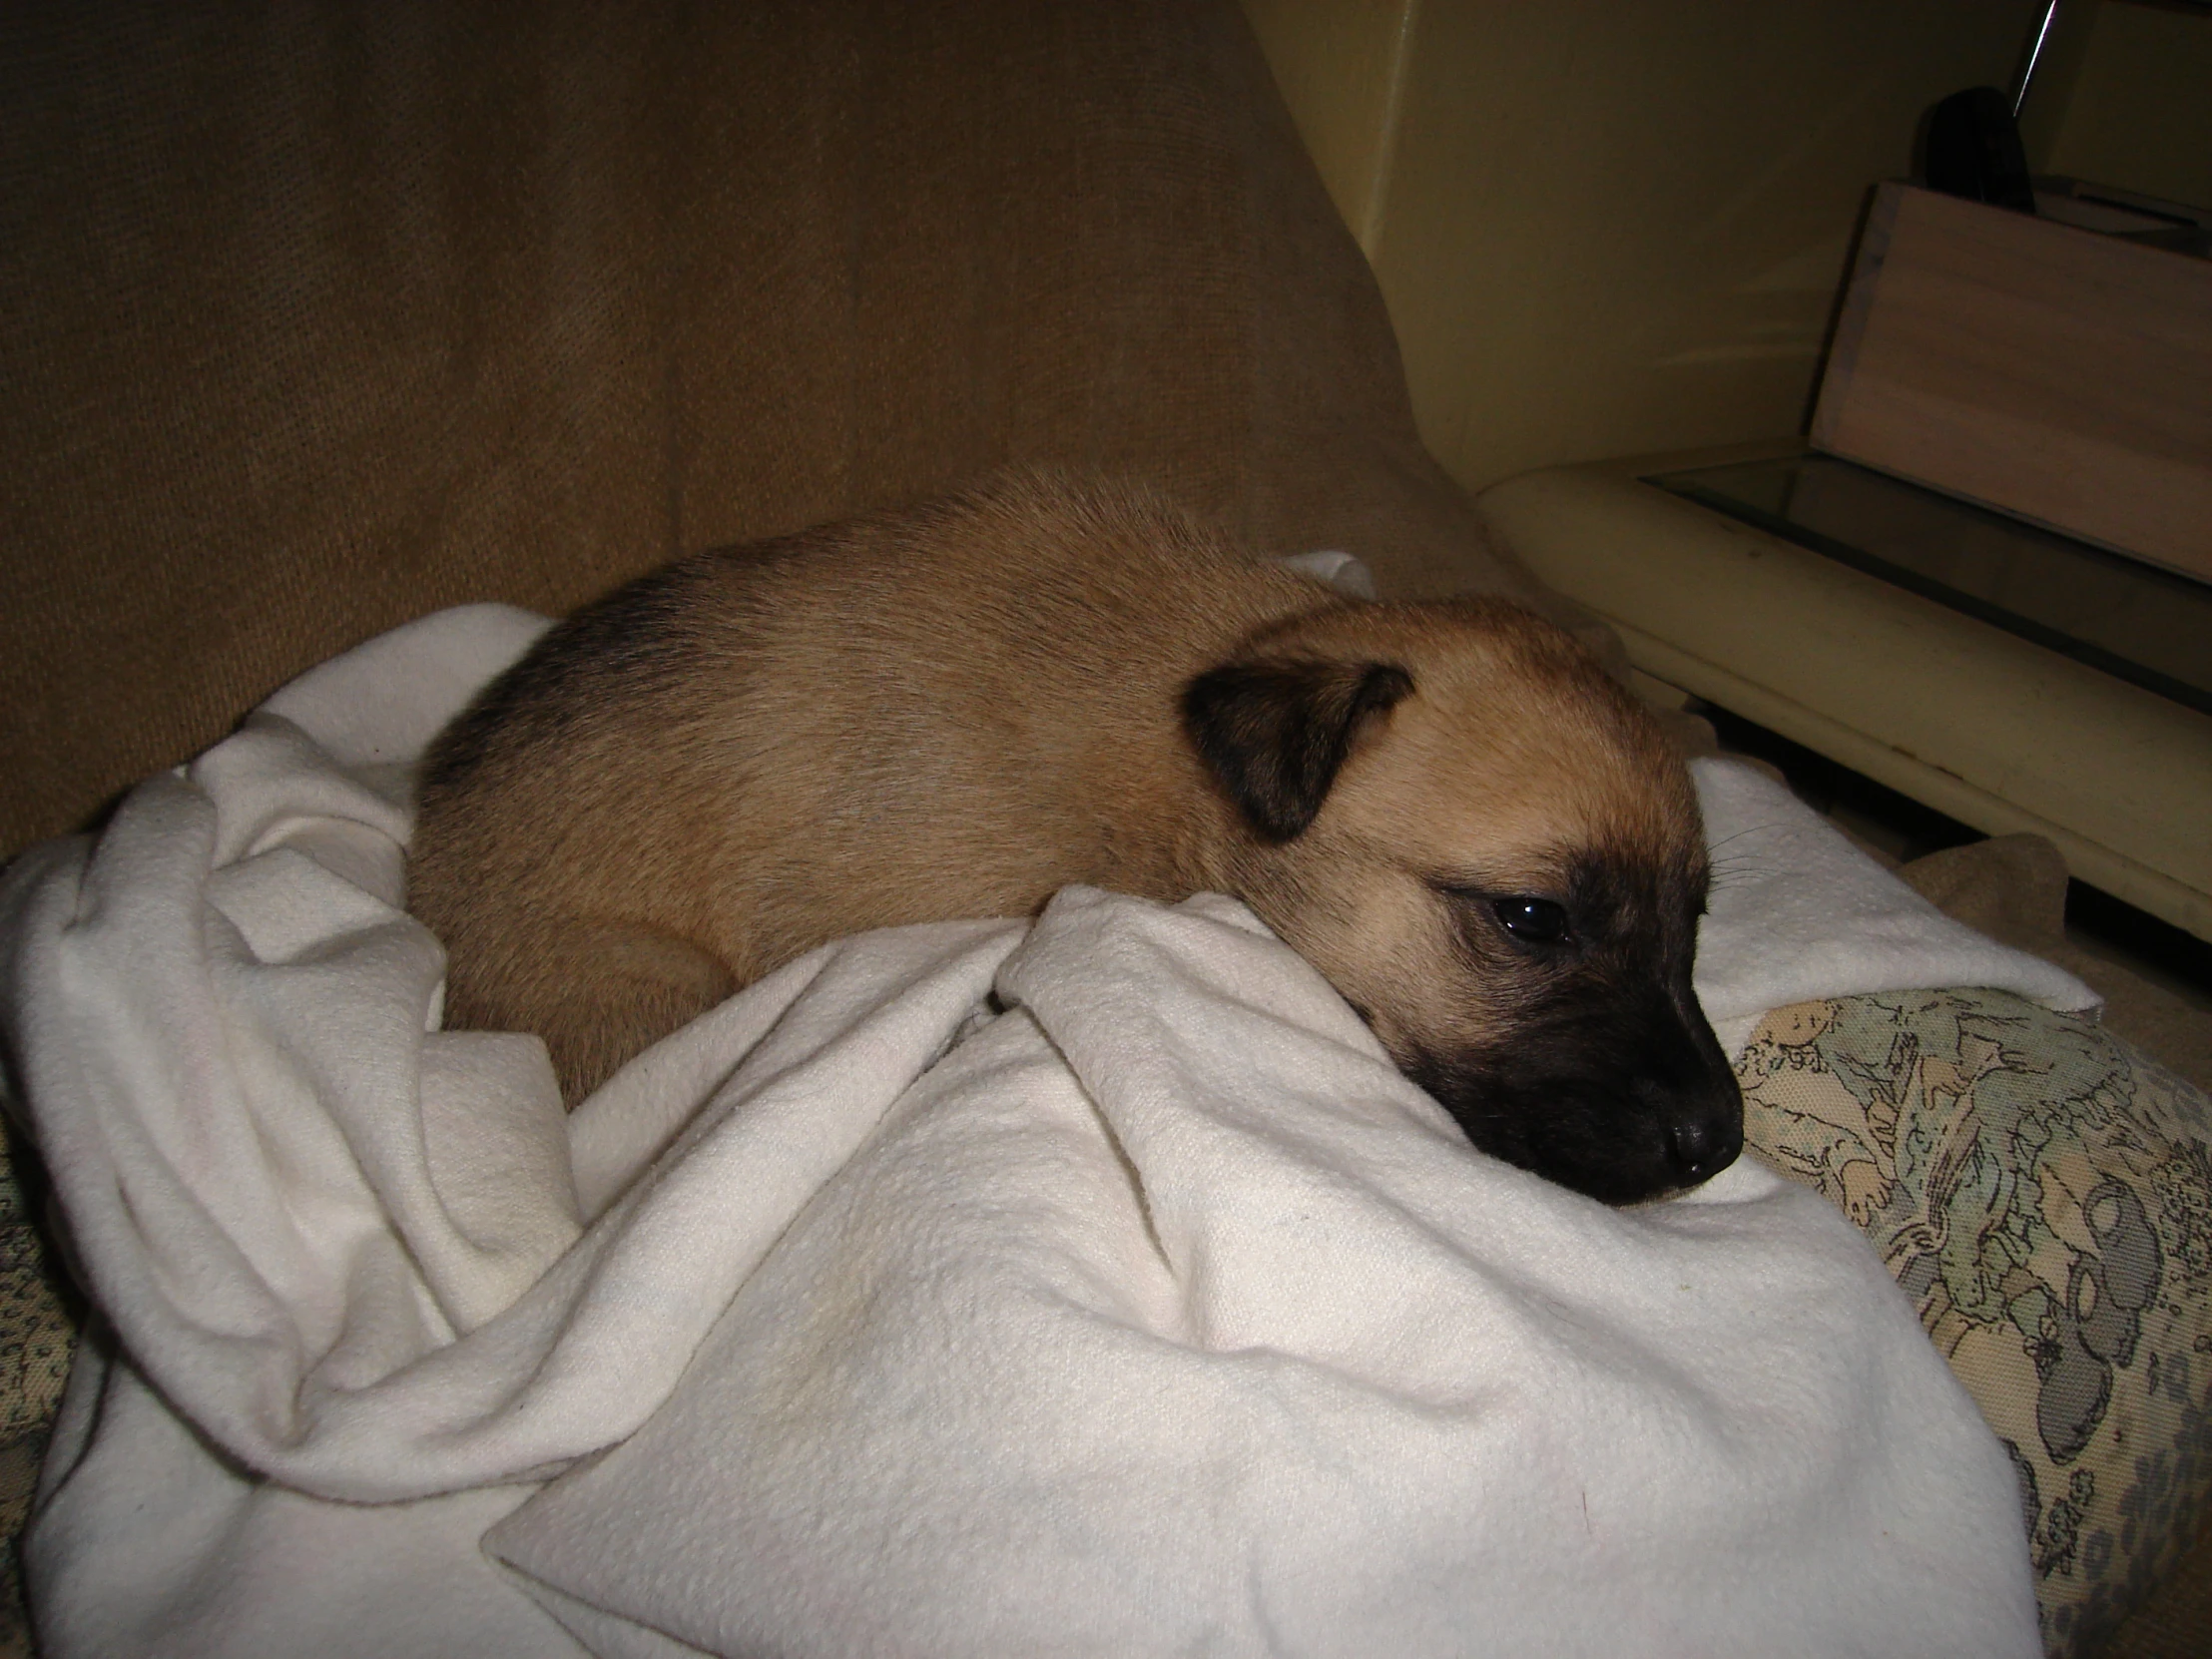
1481, 839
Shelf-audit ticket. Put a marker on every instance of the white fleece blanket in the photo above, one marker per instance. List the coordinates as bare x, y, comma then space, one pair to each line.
1086, 1286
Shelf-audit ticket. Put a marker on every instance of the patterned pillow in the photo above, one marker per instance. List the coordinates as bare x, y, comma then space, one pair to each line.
2044, 1193
37, 1338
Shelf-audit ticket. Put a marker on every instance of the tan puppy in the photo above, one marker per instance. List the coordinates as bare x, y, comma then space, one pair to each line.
1481, 840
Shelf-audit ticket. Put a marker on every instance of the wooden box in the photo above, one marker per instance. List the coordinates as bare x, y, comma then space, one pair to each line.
2048, 371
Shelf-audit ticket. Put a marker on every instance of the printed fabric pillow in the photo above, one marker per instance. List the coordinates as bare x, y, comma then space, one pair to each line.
37, 1338
2044, 1193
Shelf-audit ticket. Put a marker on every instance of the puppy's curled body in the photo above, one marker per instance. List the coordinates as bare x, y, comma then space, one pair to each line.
959, 709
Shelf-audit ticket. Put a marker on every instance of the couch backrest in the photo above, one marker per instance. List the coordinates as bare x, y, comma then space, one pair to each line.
321, 315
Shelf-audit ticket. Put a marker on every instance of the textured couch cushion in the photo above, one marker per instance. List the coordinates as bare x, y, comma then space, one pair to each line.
2043, 1192
324, 317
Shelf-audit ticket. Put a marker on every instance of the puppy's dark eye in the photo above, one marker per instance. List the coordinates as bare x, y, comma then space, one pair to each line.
1533, 920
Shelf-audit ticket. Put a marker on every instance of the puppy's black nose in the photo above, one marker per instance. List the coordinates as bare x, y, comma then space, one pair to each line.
1702, 1149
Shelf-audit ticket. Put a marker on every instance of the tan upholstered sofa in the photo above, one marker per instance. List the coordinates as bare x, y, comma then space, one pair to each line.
320, 317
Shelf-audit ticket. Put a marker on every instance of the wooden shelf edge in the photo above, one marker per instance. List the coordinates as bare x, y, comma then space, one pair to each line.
2090, 861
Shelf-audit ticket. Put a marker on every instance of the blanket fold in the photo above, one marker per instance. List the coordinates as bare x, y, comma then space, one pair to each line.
1240, 1348
1086, 1286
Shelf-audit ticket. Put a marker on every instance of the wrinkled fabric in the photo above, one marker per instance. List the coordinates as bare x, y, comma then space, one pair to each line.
1797, 914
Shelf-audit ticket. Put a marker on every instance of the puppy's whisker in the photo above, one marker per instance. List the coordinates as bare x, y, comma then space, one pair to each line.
1736, 879
1748, 830
1742, 862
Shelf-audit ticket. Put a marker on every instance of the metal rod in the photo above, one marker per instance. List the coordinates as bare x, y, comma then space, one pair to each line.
2034, 55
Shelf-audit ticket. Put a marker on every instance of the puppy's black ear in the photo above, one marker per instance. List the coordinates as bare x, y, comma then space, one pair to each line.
1274, 731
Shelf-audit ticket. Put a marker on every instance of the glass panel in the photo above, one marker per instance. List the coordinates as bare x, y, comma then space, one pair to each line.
2135, 621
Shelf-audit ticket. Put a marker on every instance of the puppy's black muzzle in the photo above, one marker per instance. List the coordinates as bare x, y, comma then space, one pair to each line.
1624, 1102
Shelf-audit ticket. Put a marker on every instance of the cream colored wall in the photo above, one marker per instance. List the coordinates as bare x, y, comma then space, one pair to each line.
1341, 65
1603, 225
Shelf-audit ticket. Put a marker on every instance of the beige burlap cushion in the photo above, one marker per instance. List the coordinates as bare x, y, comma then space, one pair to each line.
324, 315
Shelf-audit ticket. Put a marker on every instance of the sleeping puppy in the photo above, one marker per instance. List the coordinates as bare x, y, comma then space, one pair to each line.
1481, 839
